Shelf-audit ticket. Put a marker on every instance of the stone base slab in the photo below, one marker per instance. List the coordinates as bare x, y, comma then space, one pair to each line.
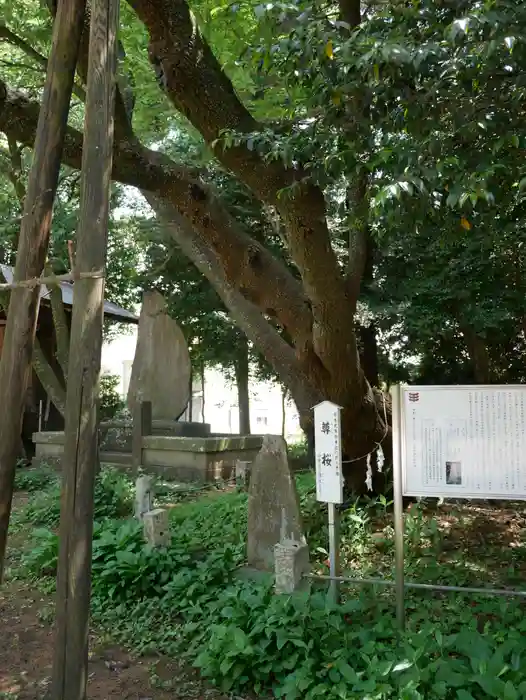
179, 458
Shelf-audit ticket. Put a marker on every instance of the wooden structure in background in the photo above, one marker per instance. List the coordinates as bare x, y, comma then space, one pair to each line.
45, 332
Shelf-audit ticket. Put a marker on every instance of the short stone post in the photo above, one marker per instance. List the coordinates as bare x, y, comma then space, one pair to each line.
242, 474
143, 495
157, 528
291, 562
142, 426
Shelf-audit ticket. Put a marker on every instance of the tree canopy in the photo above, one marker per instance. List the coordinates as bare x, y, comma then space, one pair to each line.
348, 177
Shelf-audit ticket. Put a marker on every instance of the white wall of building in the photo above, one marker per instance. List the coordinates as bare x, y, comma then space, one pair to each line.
117, 358
220, 395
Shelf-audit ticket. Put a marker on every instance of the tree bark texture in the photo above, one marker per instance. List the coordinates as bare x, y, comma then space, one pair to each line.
15, 364
479, 356
242, 376
49, 379
80, 460
60, 323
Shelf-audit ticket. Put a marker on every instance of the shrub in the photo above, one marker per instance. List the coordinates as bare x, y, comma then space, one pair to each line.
114, 494
34, 479
42, 558
113, 499
298, 455
110, 401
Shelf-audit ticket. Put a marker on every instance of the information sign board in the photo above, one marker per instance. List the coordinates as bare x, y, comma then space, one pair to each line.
327, 445
461, 441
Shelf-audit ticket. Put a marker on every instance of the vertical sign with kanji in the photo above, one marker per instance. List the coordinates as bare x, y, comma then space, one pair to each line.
327, 443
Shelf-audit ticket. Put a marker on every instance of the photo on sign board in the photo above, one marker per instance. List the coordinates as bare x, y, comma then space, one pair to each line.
453, 473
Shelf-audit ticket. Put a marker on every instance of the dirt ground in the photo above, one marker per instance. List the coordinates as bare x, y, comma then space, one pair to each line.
26, 651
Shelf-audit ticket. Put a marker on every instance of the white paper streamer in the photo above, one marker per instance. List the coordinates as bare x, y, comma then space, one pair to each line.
369, 475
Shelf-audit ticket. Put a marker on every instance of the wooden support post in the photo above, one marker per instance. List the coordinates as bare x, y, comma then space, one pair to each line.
15, 364
80, 458
142, 425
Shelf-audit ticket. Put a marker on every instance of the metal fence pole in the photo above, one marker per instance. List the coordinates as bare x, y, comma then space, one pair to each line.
334, 551
398, 508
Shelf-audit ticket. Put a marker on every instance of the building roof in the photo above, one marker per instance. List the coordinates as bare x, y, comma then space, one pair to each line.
110, 309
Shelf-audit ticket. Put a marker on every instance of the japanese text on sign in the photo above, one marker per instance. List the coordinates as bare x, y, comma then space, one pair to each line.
327, 440
463, 442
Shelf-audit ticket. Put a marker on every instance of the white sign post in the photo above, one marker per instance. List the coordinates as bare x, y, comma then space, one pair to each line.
456, 442
329, 477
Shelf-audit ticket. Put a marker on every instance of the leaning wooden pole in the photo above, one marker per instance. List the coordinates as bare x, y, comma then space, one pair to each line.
80, 460
15, 364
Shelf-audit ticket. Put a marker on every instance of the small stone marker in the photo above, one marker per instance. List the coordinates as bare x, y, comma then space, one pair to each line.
143, 496
157, 528
291, 562
273, 504
242, 473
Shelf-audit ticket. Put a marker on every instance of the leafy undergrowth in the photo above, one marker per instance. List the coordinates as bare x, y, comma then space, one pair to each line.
187, 601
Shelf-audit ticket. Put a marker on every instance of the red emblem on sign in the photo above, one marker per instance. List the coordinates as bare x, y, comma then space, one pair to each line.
414, 397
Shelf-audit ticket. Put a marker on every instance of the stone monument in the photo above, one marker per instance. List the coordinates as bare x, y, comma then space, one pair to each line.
273, 505
161, 367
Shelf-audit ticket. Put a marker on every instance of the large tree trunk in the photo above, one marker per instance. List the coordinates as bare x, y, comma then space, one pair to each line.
479, 356
241, 365
369, 355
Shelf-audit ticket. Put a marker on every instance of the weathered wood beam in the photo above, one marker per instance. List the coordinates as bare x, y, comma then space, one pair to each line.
15, 363
80, 459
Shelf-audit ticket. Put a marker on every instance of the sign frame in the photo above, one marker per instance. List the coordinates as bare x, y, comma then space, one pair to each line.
334, 419
400, 446
334, 469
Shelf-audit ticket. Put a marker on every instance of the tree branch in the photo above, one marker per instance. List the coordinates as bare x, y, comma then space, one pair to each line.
59, 321
48, 378
12, 38
358, 206
248, 318
248, 265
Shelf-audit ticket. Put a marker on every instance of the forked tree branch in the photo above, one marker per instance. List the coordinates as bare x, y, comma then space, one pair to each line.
248, 265
7, 35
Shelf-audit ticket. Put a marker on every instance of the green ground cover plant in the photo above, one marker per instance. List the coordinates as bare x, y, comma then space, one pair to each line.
188, 601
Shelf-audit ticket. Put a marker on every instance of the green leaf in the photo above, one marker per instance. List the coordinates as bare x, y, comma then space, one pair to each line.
347, 672
494, 687
402, 666
464, 695
510, 692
